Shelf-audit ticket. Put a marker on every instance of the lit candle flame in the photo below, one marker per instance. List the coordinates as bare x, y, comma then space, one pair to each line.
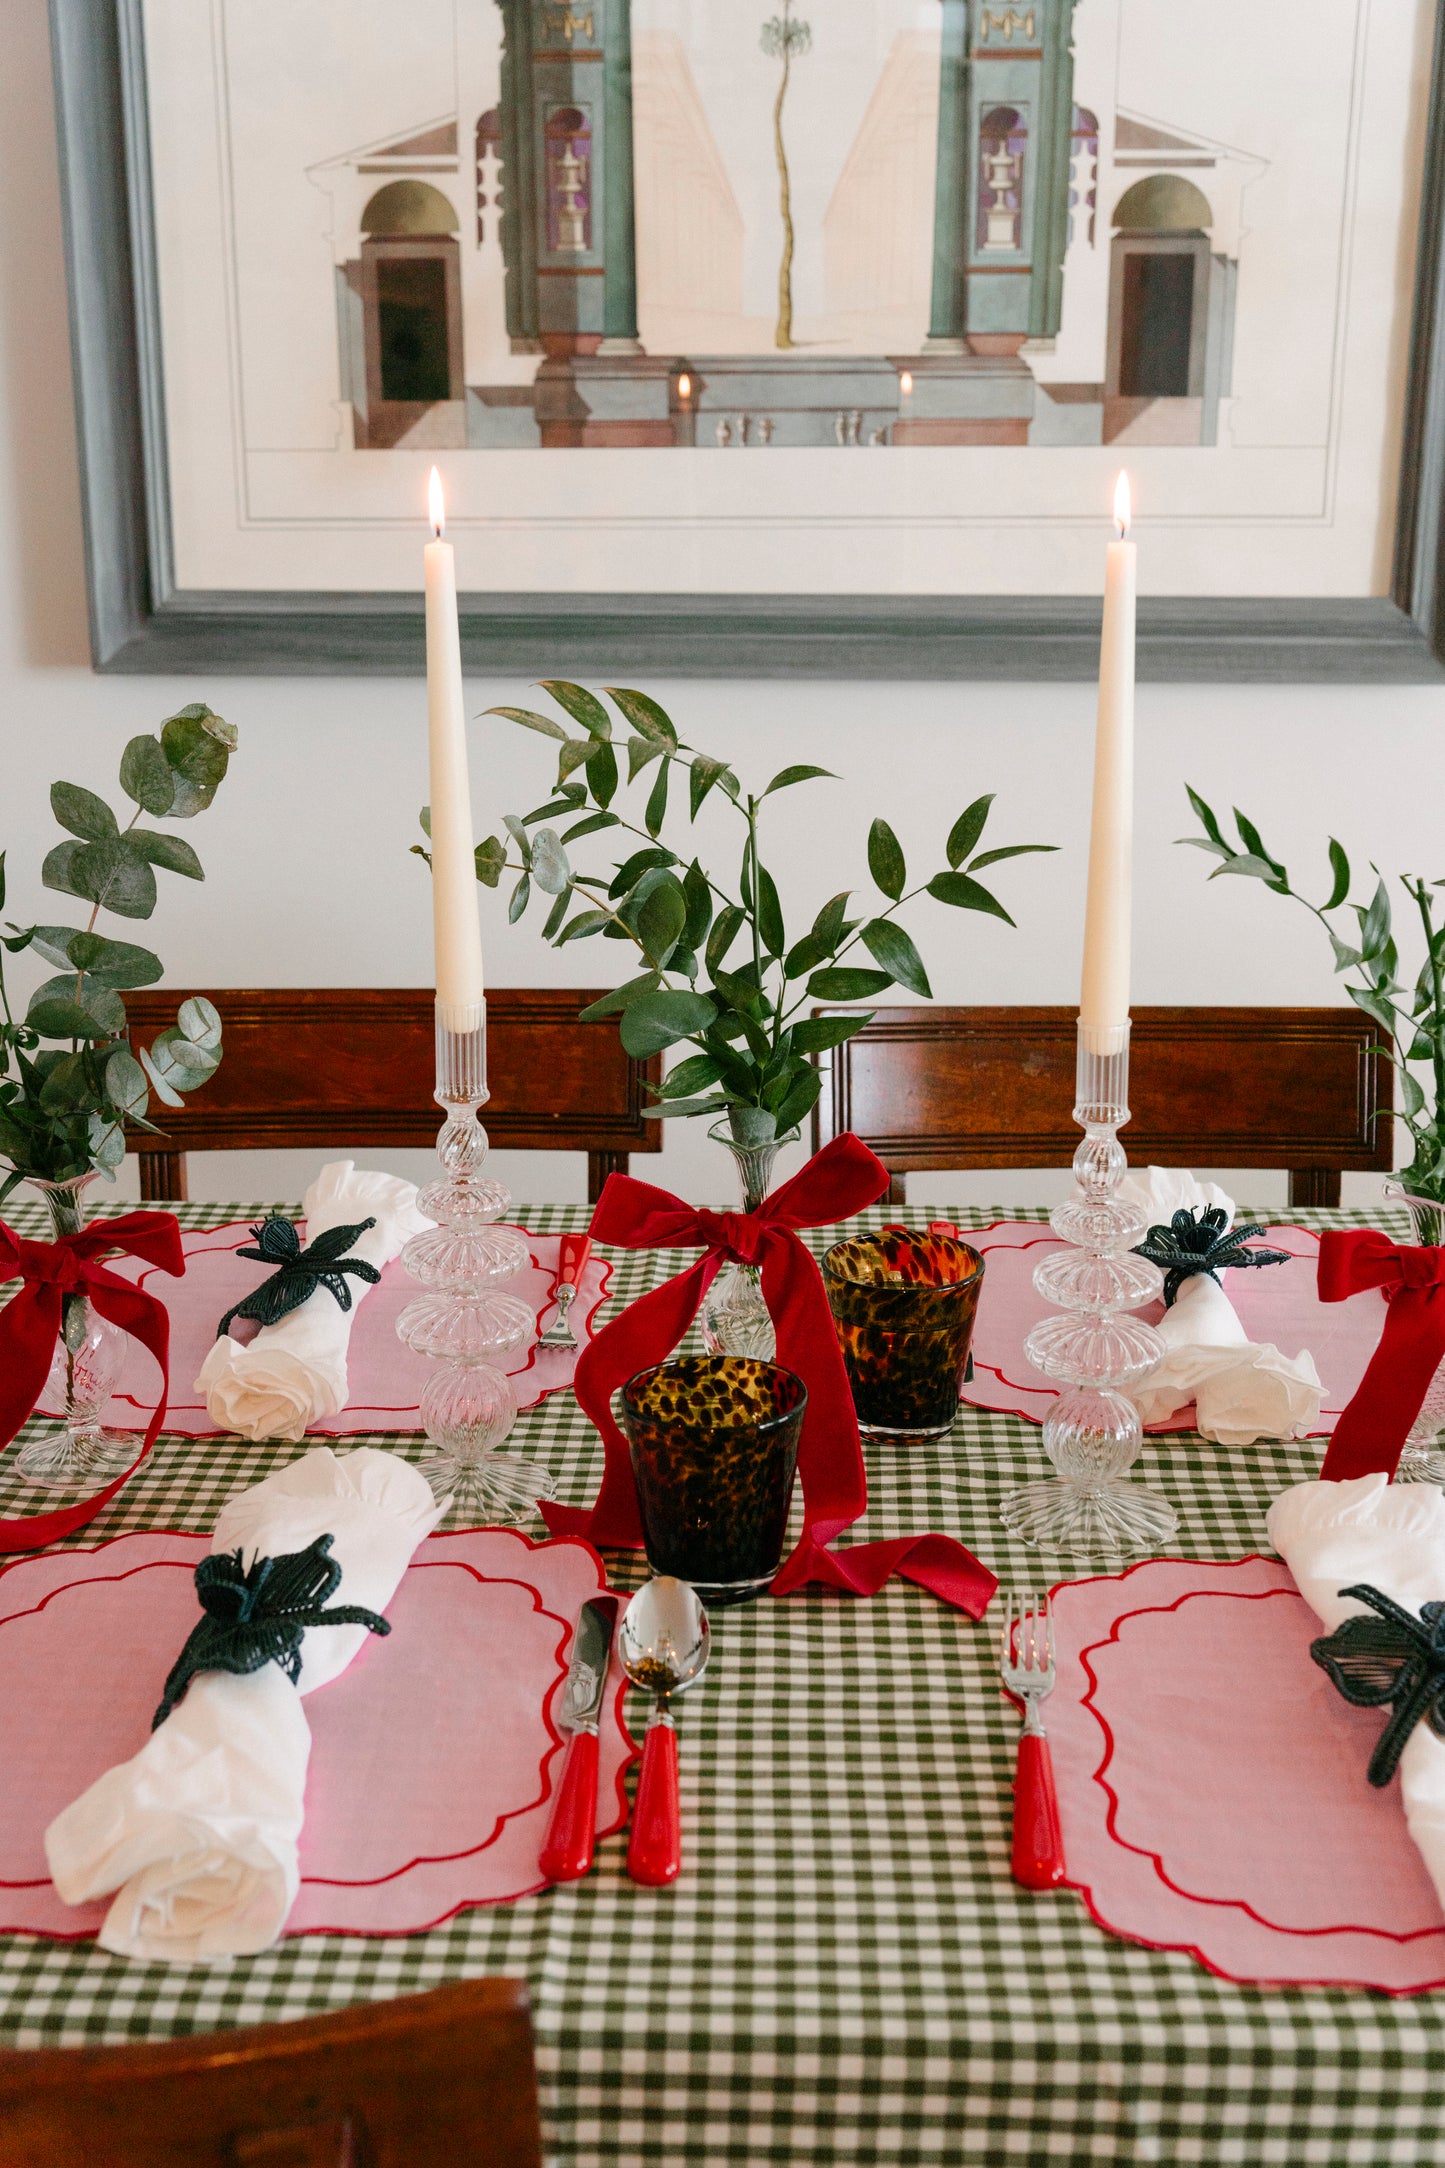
905, 382
684, 386
436, 505
1123, 510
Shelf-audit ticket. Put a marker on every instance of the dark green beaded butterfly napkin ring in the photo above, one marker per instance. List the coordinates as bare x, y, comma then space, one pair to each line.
1197, 1242
1396, 1658
257, 1615
299, 1272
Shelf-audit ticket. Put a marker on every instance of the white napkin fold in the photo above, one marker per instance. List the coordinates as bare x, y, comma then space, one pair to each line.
1392, 1536
1241, 1390
293, 1374
198, 1833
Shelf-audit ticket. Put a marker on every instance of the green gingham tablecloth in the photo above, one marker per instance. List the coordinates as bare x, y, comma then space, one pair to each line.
846, 1971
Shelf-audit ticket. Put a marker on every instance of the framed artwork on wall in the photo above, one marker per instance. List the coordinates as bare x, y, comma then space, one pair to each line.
927, 272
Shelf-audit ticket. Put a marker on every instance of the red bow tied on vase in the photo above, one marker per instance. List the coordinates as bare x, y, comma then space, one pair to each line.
1373, 1428
837, 1182
30, 1326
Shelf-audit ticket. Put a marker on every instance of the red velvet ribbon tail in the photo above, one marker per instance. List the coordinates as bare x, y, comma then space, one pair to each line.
1371, 1432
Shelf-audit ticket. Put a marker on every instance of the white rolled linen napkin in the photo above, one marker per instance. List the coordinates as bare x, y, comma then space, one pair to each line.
1391, 1536
293, 1374
198, 1833
1242, 1390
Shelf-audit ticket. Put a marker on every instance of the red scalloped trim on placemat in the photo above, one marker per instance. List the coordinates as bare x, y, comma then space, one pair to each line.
557, 1605
1124, 1912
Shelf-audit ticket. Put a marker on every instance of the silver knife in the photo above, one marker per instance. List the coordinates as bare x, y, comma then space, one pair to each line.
571, 1832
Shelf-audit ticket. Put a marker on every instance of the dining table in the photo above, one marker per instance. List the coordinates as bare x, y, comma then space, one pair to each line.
845, 1971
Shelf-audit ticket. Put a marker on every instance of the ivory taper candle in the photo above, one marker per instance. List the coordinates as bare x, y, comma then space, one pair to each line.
456, 920
1104, 999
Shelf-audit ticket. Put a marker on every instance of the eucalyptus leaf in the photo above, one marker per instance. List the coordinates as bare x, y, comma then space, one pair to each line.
896, 954
786, 777
661, 918
589, 826
656, 811
885, 859
602, 774
550, 868
562, 903
770, 915
583, 707
661, 1019
172, 852
725, 929
1008, 850
585, 923
490, 858
530, 720
520, 837
198, 747
800, 1101
146, 776
109, 874
521, 896
691, 1075
160, 1084
631, 869
815, 1034
698, 896
847, 982
644, 714
200, 1020
966, 830
82, 812
621, 996
125, 1082
1340, 867
967, 894
703, 774
752, 1126
58, 1017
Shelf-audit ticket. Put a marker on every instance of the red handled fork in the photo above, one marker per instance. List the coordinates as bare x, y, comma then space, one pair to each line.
573, 1255
1026, 1663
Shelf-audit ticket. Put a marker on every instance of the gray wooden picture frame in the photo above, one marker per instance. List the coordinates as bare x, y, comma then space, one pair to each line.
141, 621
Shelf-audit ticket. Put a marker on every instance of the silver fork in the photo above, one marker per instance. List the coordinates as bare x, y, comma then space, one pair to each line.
1026, 1665
573, 1254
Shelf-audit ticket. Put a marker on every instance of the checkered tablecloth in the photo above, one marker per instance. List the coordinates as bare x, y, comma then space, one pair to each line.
846, 1972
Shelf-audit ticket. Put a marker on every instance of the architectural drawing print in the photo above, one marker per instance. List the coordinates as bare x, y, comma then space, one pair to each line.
986, 244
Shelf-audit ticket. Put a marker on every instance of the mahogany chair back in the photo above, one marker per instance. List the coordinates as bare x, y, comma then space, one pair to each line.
426, 2080
336, 1067
1305, 1089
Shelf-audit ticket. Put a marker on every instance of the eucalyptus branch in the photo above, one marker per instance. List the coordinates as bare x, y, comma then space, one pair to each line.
755, 1056
1413, 1017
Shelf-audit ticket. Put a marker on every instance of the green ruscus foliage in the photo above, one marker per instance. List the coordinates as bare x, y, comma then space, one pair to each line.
69, 1077
721, 973
1412, 1012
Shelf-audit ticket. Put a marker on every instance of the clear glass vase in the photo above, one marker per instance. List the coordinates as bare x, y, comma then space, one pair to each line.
79, 1454
735, 1318
1420, 1462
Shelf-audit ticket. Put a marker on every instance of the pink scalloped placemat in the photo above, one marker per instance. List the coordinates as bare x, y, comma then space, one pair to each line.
385, 1378
433, 1759
1278, 1305
1212, 1788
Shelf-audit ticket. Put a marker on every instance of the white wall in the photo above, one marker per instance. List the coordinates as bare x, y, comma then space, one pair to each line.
309, 882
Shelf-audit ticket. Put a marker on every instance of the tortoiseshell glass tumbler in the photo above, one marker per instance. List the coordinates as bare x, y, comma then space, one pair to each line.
903, 1304
714, 1442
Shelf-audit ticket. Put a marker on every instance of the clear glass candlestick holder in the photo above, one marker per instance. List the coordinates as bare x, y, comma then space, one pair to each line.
1095, 1349
464, 1319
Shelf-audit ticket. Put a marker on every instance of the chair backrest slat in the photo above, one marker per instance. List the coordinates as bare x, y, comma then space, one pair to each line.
338, 1067
446, 2076
1304, 1089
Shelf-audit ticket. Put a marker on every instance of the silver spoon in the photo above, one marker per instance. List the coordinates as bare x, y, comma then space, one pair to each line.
663, 1643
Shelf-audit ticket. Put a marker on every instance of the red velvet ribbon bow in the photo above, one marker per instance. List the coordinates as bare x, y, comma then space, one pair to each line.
632, 1215
30, 1325
1373, 1428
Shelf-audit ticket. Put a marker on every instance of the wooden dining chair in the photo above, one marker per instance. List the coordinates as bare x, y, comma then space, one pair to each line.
337, 1067
1304, 1089
443, 2080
